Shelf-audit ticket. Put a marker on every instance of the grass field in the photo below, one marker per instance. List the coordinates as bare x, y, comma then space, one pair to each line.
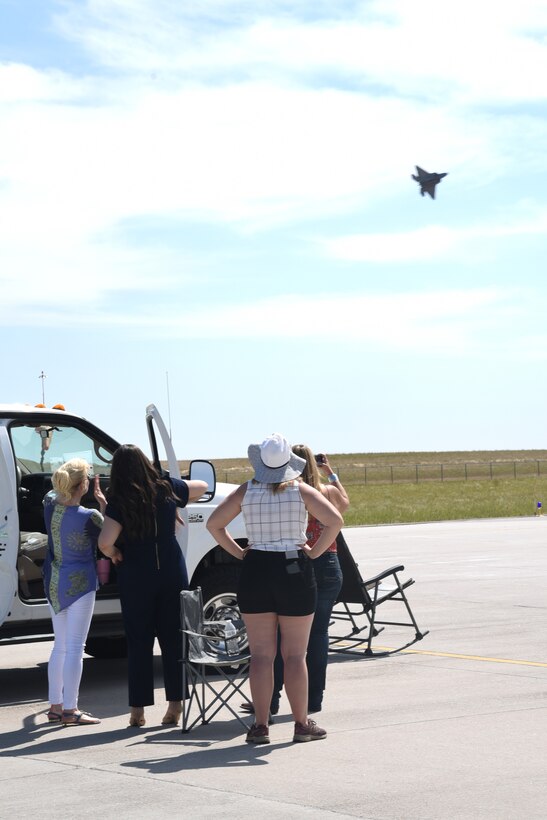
444, 501
388, 488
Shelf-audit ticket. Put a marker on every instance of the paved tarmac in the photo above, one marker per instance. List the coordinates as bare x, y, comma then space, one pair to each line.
453, 728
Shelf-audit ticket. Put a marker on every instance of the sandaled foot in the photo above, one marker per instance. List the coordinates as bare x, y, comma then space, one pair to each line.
78, 718
171, 718
54, 717
136, 718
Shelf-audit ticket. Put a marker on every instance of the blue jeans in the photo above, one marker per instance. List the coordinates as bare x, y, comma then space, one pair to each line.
328, 577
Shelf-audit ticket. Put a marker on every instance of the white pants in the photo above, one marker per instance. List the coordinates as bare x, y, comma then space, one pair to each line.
70, 626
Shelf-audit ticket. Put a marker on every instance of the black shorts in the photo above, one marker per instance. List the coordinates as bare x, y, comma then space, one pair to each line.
266, 585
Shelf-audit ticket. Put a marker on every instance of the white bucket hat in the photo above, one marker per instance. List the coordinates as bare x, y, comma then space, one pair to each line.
274, 461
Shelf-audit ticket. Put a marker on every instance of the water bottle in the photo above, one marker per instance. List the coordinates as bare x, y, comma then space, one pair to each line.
230, 636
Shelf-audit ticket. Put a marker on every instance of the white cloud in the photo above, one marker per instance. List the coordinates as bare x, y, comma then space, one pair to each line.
424, 48
424, 243
169, 131
247, 155
432, 242
448, 322
403, 320
21, 83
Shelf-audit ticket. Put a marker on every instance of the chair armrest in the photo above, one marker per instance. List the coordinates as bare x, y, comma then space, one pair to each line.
381, 575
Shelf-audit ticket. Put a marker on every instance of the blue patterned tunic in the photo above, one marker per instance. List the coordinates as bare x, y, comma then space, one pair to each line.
70, 569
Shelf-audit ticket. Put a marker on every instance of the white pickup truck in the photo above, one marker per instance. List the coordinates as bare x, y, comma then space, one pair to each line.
34, 441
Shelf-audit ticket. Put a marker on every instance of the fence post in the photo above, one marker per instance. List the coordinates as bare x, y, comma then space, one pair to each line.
465, 468
416, 474
491, 476
442, 473
391, 469
365, 473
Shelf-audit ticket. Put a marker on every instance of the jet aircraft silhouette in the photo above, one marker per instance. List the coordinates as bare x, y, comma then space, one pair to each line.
427, 181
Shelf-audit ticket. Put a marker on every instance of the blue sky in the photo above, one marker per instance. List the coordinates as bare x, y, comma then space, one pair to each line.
221, 192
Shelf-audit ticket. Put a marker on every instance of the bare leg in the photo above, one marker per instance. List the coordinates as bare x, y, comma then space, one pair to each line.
262, 634
295, 631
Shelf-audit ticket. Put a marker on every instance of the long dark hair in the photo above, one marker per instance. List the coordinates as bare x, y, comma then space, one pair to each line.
135, 488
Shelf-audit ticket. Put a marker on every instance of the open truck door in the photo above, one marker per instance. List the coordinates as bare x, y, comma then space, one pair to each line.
200, 469
153, 418
9, 526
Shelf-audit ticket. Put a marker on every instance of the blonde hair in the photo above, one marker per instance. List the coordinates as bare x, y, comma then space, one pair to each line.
68, 477
310, 473
277, 487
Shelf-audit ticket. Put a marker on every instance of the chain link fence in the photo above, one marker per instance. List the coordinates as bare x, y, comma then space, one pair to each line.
416, 473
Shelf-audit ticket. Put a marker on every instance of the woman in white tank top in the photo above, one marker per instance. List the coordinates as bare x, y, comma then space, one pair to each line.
277, 585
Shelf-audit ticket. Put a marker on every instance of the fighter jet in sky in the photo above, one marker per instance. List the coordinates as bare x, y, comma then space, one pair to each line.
427, 181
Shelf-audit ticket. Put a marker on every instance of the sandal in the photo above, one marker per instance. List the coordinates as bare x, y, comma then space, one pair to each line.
78, 719
136, 718
171, 718
54, 717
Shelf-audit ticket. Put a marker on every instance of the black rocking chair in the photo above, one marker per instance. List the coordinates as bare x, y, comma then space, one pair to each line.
360, 599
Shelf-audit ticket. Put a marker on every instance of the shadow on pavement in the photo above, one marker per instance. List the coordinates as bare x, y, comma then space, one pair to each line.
244, 754
185, 751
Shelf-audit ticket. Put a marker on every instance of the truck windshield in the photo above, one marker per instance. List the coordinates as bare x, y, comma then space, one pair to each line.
44, 448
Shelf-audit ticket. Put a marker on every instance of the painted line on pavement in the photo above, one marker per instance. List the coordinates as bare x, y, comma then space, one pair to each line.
463, 657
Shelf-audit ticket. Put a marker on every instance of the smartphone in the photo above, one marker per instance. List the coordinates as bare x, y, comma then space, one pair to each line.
292, 566
320, 458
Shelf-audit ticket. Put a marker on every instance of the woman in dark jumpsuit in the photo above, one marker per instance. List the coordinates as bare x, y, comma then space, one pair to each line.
139, 537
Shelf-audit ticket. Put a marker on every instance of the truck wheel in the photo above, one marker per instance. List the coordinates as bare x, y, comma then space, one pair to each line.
107, 648
219, 590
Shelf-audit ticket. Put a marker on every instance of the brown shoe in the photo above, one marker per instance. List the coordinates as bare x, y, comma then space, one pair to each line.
304, 732
258, 733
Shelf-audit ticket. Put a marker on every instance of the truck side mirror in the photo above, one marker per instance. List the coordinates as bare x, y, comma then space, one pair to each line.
204, 471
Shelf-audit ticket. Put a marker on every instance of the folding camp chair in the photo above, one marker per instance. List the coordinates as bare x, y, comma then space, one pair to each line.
359, 597
205, 644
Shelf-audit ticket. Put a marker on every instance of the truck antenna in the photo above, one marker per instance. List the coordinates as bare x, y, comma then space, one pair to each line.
168, 403
43, 377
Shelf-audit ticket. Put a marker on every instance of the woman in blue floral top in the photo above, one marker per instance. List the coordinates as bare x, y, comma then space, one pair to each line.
70, 582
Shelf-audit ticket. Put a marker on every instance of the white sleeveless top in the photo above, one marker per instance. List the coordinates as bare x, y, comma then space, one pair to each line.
275, 522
